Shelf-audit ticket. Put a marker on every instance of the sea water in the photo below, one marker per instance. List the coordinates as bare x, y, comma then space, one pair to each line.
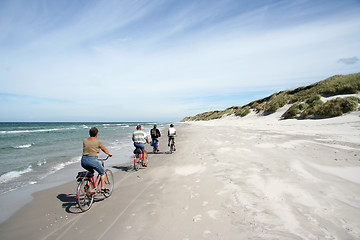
35, 153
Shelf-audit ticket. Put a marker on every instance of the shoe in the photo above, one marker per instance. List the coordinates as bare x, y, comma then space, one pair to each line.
105, 190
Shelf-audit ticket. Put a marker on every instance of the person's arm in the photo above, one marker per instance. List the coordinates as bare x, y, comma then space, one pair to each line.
147, 139
105, 150
159, 132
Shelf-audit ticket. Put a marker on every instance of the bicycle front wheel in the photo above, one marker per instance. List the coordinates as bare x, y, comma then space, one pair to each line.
109, 183
84, 196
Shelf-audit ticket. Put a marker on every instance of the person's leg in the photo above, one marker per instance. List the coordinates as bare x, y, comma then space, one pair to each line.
144, 154
142, 147
102, 180
101, 170
157, 144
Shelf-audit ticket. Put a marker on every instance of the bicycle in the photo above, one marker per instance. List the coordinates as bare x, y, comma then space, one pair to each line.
139, 159
88, 187
172, 144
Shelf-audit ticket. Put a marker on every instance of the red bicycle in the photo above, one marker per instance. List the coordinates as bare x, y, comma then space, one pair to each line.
89, 186
139, 159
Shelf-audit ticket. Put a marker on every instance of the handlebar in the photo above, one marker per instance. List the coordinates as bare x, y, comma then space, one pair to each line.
103, 159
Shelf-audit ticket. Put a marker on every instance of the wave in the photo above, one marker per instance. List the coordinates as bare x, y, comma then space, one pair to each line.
23, 146
60, 166
40, 163
36, 130
14, 174
106, 125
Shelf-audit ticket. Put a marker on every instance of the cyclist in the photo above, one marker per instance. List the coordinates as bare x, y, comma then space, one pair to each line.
91, 148
155, 134
139, 138
172, 135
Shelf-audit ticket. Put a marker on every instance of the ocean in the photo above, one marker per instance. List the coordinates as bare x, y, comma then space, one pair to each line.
34, 153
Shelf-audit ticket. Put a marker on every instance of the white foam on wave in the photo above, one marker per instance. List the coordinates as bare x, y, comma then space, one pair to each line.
23, 146
30, 131
40, 163
39, 130
62, 165
14, 174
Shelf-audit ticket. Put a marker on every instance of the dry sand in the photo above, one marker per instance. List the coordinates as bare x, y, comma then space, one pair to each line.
250, 178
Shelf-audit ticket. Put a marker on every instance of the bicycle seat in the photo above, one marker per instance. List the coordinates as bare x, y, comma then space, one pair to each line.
138, 151
84, 174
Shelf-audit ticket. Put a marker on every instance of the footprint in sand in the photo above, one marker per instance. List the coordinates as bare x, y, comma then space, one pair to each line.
212, 214
206, 233
197, 218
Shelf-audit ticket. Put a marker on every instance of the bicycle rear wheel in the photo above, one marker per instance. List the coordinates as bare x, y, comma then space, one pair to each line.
137, 162
109, 182
85, 197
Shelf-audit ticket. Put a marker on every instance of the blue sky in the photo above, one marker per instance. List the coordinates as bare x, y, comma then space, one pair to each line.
162, 60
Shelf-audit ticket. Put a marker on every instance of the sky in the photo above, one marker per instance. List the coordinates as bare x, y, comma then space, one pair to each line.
163, 60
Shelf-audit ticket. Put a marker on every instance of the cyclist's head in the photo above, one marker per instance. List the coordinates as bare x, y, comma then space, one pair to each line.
138, 127
155, 126
171, 125
93, 132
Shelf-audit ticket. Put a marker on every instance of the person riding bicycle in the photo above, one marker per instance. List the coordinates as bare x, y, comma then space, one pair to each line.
172, 135
155, 134
139, 138
91, 148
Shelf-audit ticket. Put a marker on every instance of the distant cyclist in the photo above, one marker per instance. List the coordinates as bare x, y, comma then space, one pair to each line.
155, 134
91, 148
139, 138
172, 135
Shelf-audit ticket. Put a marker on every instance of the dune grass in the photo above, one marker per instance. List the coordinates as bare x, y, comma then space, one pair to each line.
306, 101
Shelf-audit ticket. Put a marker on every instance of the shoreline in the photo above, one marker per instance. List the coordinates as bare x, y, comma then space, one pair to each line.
14, 200
229, 178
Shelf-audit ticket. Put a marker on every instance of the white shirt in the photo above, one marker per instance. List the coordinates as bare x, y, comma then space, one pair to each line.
172, 131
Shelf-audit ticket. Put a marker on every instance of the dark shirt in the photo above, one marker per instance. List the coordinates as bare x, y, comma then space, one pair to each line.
155, 133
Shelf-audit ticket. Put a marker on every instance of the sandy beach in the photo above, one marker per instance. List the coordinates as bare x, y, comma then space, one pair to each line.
251, 178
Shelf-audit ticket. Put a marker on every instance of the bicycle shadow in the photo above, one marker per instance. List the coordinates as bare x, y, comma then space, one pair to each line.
124, 168
157, 153
70, 202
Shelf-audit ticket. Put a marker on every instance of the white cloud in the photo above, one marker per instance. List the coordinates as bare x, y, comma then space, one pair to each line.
108, 55
350, 60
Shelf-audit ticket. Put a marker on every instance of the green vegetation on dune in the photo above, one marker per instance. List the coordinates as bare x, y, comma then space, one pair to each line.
305, 101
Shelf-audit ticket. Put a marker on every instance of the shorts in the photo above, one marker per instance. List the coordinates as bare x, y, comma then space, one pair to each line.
90, 163
139, 145
172, 138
